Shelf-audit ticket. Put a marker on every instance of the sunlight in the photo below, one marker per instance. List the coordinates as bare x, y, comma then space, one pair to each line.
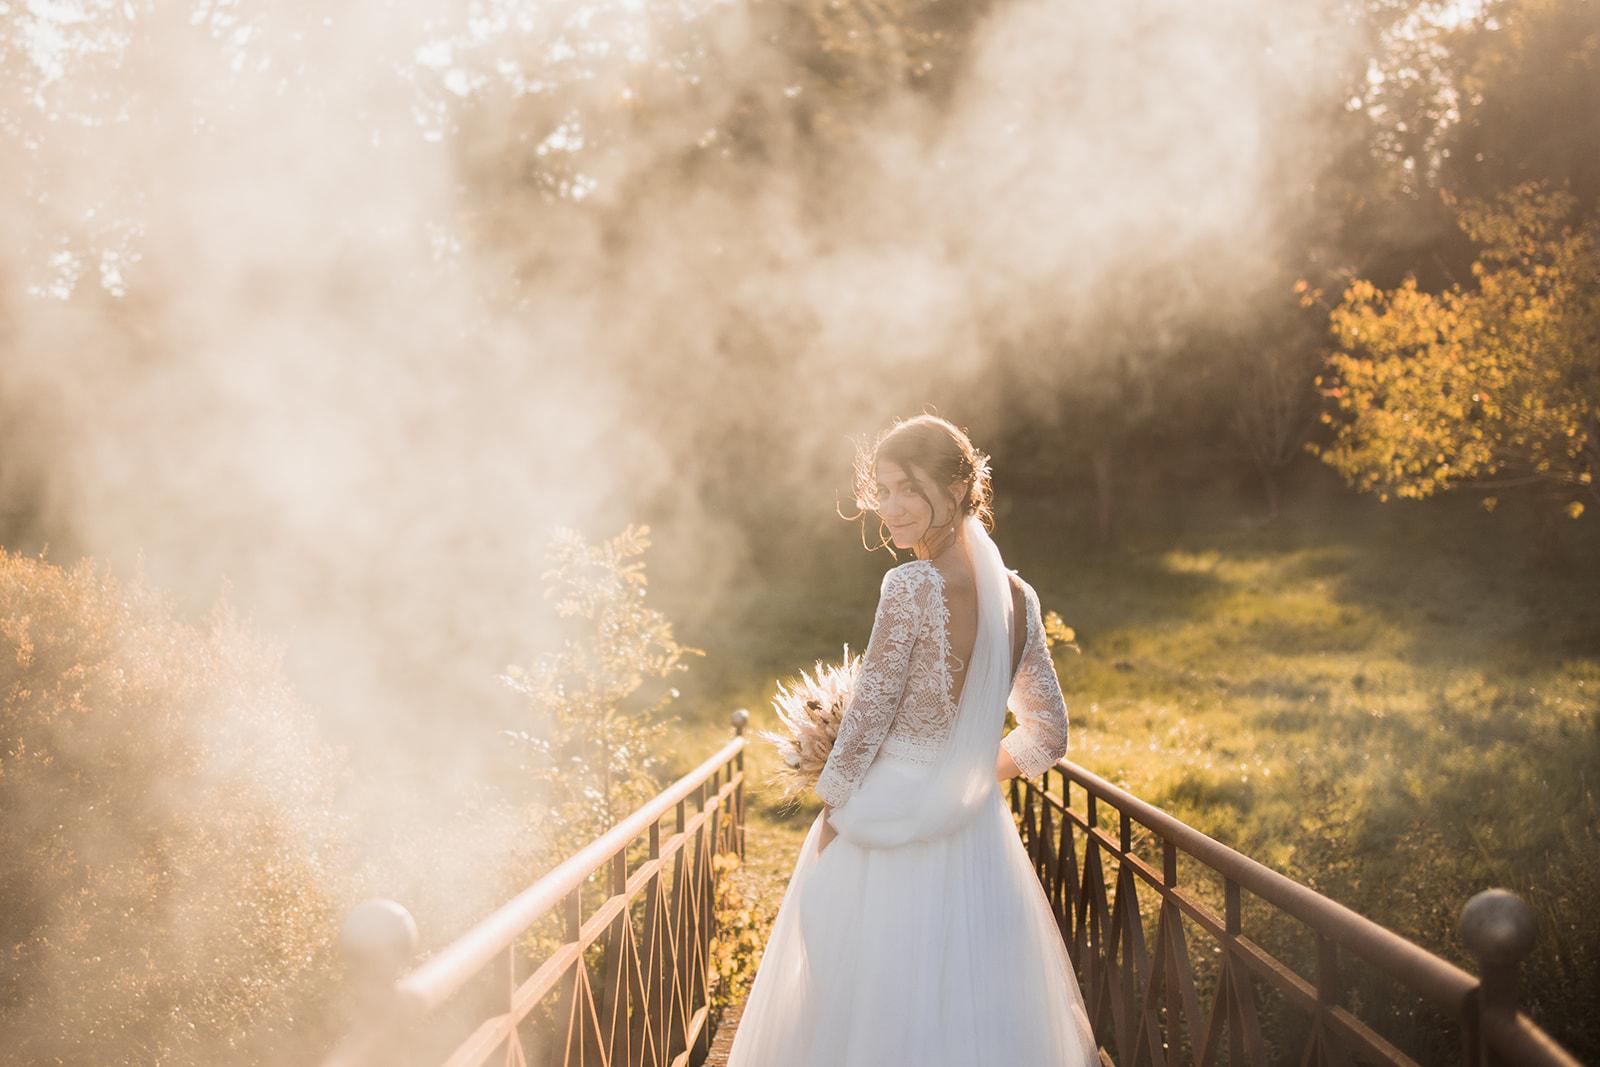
338, 341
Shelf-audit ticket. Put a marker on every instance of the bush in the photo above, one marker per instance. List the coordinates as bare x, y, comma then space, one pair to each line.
168, 891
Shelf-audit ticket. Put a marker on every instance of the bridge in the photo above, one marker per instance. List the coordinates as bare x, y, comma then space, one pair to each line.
605, 961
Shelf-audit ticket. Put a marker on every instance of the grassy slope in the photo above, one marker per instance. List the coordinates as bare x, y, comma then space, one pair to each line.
1388, 702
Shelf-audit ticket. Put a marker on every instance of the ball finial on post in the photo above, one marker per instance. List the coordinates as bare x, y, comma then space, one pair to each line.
1498, 927
740, 719
378, 940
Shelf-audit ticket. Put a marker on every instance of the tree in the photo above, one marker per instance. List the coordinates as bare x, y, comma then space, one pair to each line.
1274, 410
1494, 386
1528, 100
598, 734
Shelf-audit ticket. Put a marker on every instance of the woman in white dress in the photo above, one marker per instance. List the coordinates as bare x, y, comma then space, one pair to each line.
914, 930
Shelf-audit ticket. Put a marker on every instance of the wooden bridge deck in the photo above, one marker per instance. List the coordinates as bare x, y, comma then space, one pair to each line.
722, 1044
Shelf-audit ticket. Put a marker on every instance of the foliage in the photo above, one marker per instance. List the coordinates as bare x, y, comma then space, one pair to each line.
851, 56
1057, 632
1494, 386
1526, 99
743, 922
598, 728
169, 888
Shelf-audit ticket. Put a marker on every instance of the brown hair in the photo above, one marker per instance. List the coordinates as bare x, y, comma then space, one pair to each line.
939, 448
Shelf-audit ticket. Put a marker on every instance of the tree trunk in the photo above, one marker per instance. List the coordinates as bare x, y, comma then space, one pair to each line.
1103, 498
1269, 482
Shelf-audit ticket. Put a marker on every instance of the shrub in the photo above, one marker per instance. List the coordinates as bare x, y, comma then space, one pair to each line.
168, 890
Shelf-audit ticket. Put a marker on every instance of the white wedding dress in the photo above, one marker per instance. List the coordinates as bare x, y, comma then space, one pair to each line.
921, 937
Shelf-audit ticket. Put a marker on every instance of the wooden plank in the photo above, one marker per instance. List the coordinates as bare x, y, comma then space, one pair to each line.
723, 1045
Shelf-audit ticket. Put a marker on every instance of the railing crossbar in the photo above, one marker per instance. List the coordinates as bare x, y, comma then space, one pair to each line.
486, 1040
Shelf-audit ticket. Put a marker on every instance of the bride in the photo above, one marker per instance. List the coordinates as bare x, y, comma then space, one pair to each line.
914, 930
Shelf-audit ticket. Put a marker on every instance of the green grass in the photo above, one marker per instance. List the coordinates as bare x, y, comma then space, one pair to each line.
1395, 704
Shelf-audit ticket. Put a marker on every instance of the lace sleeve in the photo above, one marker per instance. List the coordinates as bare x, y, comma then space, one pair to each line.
902, 607
1041, 734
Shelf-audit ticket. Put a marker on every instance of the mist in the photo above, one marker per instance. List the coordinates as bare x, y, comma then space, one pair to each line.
338, 312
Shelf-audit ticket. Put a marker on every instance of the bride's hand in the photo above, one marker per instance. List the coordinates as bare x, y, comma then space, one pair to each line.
826, 834
1005, 768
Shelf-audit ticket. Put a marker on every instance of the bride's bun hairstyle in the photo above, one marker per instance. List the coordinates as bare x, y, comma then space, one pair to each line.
937, 448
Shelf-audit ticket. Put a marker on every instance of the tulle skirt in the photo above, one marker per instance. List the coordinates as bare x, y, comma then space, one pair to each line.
939, 953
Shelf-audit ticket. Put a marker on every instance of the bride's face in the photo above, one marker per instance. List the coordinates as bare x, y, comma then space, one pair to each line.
903, 503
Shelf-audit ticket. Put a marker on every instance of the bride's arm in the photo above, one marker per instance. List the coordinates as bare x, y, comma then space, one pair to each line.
1040, 738
875, 698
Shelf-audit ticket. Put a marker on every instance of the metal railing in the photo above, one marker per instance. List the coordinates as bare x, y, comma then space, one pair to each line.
1145, 1003
649, 939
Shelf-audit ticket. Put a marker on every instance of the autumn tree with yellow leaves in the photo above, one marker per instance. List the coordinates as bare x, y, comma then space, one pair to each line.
1490, 386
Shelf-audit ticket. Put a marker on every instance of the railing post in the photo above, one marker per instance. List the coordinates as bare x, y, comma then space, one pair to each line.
741, 719
377, 940
1230, 975
616, 997
656, 979
1330, 987
1498, 928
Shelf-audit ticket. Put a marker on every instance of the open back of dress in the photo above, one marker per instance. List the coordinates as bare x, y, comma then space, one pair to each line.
961, 607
